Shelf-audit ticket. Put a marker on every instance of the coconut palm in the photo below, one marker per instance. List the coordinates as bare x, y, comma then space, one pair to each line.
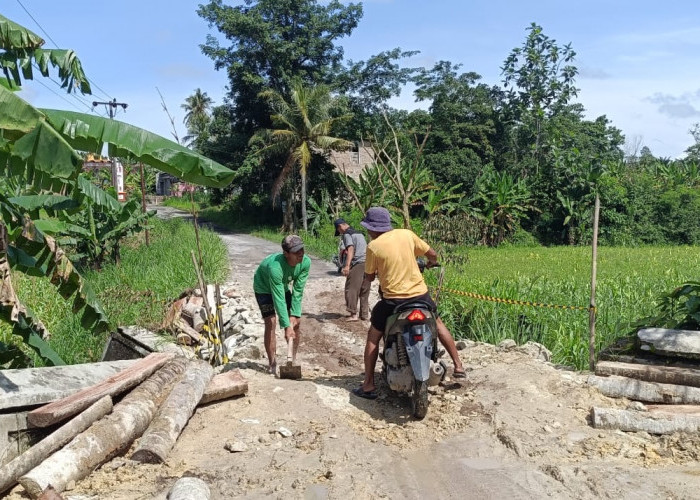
304, 124
197, 116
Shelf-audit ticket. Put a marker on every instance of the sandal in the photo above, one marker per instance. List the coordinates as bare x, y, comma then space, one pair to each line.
365, 394
459, 373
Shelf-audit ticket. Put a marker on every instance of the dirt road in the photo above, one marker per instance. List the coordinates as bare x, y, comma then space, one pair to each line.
517, 428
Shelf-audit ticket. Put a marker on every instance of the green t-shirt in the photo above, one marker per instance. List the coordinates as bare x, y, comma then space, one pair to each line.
273, 277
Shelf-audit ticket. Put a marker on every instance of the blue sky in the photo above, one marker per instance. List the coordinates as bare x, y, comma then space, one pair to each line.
639, 61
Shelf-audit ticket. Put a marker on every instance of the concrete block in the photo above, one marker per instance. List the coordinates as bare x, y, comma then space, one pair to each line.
35, 386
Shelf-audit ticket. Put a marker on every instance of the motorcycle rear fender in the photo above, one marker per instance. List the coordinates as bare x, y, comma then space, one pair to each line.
420, 352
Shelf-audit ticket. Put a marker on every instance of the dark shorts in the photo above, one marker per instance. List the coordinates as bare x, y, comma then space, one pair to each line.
267, 305
385, 308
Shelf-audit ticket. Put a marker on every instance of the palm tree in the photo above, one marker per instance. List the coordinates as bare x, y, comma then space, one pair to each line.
303, 127
197, 115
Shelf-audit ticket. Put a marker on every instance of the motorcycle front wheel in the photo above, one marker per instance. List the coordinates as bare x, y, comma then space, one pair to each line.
419, 399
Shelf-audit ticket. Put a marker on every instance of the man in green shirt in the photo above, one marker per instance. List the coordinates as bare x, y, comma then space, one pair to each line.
271, 286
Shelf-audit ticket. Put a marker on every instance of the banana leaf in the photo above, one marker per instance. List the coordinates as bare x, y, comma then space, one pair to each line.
22, 48
90, 132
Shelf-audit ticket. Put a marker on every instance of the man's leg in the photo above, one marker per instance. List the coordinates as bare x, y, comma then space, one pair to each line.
297, 335
353, 284
448, 342
364, 296
371, 355
271, 342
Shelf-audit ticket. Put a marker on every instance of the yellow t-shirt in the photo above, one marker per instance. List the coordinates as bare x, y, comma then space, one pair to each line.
393, 257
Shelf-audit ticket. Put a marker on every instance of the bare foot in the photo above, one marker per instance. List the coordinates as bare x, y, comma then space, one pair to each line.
272, 369
352, 317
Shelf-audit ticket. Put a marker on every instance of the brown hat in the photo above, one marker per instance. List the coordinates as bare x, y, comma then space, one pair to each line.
292, 243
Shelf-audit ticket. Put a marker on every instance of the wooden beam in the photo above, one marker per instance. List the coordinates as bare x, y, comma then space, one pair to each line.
107, 437
652, 392
638, 421
116, 384
650, 373
173, 415
38, 453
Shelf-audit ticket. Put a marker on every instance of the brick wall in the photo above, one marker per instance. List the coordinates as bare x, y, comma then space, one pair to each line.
352, 162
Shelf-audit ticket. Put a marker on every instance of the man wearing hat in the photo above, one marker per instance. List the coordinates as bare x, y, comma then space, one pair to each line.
356, 289
271, 286
392, 255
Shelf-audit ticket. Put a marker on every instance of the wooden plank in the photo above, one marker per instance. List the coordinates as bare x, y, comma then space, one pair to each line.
650, 373
40, 451
683, 343
675, 409
163, 431
225, 385
108, 436
652, 392
638, 421
67, 407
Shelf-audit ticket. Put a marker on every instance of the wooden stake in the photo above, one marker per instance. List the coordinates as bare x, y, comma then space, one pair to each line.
594, 273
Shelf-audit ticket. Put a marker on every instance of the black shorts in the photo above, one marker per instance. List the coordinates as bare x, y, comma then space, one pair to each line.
385, 308
267, 305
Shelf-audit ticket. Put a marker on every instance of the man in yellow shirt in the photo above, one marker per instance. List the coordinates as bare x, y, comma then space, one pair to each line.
392, 255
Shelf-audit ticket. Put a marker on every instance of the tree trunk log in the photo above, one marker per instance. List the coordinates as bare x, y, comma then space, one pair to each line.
650, 373
652, 392
189, 488
75, 403
638, 421
223, 386
173, 415
37, 453
674, 409
108, 437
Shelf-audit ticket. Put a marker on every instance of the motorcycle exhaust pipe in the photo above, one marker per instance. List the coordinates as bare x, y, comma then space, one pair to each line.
437, 373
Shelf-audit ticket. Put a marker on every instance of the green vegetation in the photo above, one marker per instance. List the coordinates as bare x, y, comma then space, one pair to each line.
135, 292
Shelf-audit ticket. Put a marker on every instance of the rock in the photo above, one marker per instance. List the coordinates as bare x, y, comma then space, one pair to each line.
249, 351
235, 446
507, 344
537, 351
464, 344
284, 432
637, 406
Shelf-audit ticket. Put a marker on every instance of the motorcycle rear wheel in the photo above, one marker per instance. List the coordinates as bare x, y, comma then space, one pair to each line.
419, 399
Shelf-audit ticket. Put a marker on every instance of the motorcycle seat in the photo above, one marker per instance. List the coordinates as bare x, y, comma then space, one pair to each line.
418, 304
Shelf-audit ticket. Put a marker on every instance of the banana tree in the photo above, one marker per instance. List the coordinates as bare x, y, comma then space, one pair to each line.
40, 168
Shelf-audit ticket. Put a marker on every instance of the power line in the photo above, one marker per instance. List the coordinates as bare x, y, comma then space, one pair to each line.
37, 23
56, 45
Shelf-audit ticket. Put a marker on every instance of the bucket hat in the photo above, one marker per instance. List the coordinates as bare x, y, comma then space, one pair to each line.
377, 219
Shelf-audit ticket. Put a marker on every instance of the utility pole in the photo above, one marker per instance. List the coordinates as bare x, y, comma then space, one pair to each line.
111, 106
117, 168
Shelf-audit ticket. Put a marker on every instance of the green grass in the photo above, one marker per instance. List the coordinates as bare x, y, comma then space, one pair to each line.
134, 293
184, 204
629, 283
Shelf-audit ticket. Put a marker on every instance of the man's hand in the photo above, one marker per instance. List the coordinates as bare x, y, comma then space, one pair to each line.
346, 270
289, 333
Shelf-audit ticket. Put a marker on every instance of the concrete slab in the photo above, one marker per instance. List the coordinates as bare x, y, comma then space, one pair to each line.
14, 438
667, 342
34, 386
134, 342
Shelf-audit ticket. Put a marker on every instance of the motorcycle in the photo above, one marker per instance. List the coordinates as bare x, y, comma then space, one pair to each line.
410, 358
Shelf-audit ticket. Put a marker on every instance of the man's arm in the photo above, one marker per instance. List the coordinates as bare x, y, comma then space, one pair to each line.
298, 287
432, 257
348, 259
277, 290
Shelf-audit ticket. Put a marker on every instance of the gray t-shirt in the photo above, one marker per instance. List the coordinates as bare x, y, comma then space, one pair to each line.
356, 239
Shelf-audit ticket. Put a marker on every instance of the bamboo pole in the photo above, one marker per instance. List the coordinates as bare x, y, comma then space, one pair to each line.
594, 274
143, 199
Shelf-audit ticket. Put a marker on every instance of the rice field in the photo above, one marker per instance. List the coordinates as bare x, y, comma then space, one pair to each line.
629, 282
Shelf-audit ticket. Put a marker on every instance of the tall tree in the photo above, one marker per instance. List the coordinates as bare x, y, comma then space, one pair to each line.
197, 116
539, 78
303, 127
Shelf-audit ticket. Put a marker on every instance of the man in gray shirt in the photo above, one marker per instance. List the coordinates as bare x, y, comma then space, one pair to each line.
355, 246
